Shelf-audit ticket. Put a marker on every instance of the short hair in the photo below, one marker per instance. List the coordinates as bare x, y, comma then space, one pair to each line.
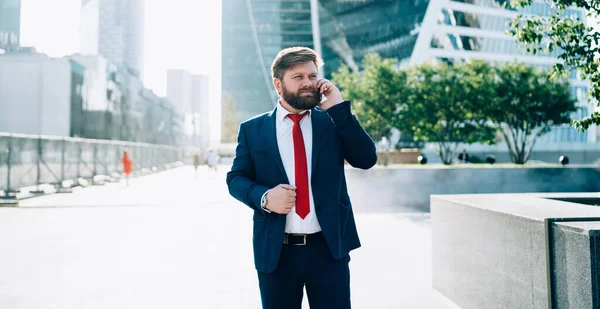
291, 56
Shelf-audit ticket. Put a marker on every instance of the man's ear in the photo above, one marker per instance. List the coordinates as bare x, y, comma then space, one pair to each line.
277, 84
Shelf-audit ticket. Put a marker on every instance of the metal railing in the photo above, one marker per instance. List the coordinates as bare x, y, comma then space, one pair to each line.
29, 160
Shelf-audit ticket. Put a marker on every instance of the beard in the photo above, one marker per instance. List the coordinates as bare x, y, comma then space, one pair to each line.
299, 101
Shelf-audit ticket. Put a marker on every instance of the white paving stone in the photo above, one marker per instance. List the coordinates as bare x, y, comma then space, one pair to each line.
172, 240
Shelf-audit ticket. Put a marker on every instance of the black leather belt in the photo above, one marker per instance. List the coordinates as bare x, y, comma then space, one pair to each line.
301, 239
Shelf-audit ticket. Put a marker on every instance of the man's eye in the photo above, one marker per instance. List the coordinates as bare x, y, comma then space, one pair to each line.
312, 77
297, 77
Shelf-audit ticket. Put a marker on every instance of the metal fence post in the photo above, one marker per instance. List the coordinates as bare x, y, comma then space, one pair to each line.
63, 147
79, 151
8, 165
118, 153
95, 172
145, 155
63, 163
39, 168
9, 199
155, 157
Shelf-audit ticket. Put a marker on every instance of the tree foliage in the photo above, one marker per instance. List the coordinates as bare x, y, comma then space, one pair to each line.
464, 103
229, 120
376, 92
526, 105
577, 43
446, 103
433, 103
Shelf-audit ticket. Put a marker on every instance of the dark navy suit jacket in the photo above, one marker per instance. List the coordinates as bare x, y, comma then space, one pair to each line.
257, 167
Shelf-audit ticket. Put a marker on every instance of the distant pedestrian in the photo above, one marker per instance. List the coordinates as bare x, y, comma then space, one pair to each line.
463, 157
197, 162
127, 166
212, 160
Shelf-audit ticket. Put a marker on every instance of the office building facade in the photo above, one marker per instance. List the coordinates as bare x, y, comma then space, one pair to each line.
344, 31
189, 94
10, 24
114, 29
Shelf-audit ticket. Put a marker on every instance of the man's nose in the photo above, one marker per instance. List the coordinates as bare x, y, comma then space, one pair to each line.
306, 82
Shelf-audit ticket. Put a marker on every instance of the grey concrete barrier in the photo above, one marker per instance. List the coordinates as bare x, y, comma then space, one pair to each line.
516, 250
407, 188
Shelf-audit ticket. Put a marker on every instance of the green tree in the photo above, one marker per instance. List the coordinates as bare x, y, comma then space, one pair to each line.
229, 120
376, 93
527, 104
438, 103
446, 103
576, 43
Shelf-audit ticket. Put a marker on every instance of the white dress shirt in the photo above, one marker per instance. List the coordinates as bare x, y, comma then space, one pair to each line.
285, 143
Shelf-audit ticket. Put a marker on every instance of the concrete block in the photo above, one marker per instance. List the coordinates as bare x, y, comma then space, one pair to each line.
489, 251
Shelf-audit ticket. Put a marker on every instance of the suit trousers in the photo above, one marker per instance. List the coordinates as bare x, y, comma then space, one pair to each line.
326, 279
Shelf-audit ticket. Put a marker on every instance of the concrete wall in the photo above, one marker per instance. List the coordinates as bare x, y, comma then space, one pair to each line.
407, 189
578, 153
489, 251
584, 156
483, 259
576, 256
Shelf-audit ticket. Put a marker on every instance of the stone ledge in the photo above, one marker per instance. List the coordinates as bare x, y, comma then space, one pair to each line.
506, 251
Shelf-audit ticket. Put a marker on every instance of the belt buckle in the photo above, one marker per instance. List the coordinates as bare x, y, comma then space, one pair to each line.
304, 241
286, 240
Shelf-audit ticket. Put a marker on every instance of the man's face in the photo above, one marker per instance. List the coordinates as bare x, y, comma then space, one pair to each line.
299, 86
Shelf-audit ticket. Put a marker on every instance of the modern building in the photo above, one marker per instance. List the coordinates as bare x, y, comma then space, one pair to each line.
115, 30
40, 95
344, 31
201, 110
477, 30
10, 24
189, 94
179, 89
82, 96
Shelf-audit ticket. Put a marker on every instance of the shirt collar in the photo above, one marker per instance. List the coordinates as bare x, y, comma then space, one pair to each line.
282, 112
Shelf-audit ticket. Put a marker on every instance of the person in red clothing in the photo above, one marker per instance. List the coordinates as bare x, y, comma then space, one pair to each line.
127, 166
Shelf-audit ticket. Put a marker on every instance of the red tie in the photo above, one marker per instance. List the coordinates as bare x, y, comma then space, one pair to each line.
300, 166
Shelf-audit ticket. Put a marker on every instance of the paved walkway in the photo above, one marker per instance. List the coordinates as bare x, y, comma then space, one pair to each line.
172, 240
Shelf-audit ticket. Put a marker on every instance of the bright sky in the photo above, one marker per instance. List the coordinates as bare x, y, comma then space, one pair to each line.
179, 34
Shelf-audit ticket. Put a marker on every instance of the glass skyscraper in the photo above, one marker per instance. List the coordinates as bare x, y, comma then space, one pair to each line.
10, 24
115, 30
343, 31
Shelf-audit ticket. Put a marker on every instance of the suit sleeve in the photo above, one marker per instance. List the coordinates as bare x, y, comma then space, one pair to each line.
359, 148
241, 178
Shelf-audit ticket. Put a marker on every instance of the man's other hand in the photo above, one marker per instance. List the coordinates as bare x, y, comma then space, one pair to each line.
281, 199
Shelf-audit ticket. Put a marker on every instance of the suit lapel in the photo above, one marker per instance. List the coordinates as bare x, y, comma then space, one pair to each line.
319, 119
271, 136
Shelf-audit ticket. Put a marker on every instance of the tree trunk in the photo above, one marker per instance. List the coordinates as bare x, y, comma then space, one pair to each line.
446, 153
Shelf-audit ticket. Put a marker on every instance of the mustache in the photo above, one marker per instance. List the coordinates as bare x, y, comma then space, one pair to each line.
311, 90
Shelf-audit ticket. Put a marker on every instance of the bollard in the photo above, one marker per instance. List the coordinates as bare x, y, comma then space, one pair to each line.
564, 160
